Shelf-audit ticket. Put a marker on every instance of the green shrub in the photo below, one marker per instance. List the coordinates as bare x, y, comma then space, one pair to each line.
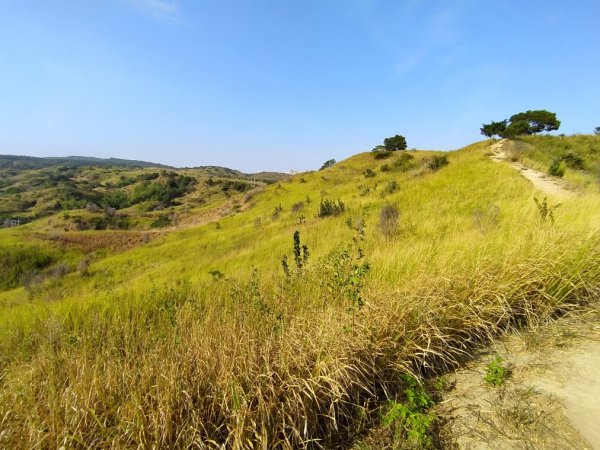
437, 162
115, 199
331, 208
574, 161
166, 189
545, 209
70, 203
369, 173
148, 176
301, 254
124, 181
412, 419
163, 220
390, 188
381, 154
557, 169
18, 262
404, 162
239, 186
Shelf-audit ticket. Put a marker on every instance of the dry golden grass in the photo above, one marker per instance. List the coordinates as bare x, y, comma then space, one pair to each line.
261, 360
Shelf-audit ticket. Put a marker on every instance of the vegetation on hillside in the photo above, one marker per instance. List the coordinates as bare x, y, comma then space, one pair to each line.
574, 158
33, 163
99, 197
200, 339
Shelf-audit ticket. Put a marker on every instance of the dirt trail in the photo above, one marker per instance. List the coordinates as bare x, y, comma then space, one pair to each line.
543, 182
550, 399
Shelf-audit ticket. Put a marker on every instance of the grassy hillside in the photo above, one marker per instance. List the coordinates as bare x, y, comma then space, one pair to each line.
98, 197
238, 331
574, 158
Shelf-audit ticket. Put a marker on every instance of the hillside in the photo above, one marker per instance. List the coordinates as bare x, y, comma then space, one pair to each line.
98, 194
300, 313
576, 159
32, 162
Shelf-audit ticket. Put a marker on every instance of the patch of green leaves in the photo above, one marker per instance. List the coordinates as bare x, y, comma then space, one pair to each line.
411, 419
495, 372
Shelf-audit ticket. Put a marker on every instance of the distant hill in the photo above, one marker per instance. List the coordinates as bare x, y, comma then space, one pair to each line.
217, 171
32, 163
32, 187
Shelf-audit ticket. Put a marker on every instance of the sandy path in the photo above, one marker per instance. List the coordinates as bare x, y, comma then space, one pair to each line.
576, 384
550, 185
550, 400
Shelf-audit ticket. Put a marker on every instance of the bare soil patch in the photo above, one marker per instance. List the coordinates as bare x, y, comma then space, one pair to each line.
549, 400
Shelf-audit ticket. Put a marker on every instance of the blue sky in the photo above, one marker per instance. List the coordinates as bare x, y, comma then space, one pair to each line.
279, 85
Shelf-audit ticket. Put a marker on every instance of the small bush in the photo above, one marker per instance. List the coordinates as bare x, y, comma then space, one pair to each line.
390, 188
404, 162
574, 161
216, 274
331, 208
381, 154
437, 162
546, 210
385, 168
239, 186
557, 169
115, 200
369, 173
411, 420
163, 220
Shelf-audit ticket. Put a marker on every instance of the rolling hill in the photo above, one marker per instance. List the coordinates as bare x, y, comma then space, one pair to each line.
296, 314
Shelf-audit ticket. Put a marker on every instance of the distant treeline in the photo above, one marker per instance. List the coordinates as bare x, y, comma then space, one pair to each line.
31, 162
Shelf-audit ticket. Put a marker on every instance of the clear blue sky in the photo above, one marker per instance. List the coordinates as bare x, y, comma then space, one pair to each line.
285, 84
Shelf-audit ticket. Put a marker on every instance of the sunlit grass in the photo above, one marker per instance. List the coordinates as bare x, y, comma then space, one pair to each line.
149, 350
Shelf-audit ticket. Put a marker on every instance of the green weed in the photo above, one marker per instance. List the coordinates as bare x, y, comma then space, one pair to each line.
495, 372
546, 210
412, 419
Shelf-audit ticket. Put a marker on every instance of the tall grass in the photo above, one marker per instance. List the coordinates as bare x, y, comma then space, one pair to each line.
541, 152
258, 359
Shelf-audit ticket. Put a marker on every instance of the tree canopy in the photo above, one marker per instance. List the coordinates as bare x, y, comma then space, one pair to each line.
523, 123
328, 163
394, 143
597, 130
493, 128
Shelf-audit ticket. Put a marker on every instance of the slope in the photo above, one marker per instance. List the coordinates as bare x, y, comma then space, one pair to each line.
200, 337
